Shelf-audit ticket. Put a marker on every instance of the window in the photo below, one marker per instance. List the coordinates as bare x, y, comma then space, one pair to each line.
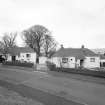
71, 59
64, 60
92, 59
28, 55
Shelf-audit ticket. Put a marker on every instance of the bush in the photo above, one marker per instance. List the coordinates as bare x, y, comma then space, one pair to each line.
50, 65
18, 63
82, 72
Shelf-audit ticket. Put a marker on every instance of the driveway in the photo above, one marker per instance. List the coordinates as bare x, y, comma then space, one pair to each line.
77, 90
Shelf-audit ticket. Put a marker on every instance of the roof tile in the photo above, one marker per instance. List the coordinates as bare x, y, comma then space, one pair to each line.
79, 53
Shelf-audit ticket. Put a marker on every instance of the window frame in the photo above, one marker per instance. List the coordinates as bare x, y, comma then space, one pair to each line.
28, 55
92, 59
65, 60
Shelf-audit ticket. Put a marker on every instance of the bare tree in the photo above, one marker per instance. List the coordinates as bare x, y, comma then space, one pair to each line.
34, 38
8, 41
49, 45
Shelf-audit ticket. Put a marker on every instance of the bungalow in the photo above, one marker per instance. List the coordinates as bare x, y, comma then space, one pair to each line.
21, 54
75, 57
24, 54
102, 60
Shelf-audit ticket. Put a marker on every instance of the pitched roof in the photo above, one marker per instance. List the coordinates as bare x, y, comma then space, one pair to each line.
79, 53
102, 56
18, 50
99, 50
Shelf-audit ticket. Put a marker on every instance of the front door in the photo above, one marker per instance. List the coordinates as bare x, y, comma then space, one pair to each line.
81, 62
13, 58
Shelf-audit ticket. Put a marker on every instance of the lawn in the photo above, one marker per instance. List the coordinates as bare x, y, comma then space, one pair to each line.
8, 97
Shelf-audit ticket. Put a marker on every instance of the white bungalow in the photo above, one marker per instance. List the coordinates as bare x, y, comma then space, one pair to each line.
76, 57
102, 60
24, 54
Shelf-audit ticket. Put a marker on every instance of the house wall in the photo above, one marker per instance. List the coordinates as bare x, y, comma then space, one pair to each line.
58, 61
88, 64
32, 58
78, 63
72, 62
9, 58
23, 57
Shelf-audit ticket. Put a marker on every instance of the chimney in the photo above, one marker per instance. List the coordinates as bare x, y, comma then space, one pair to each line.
82, 46
62, 46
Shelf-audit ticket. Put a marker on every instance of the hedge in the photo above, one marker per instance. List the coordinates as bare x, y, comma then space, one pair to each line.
84, 71
17, 63
50, 65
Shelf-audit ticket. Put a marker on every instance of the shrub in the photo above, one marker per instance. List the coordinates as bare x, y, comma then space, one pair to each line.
82, 72
18, 63
50, 65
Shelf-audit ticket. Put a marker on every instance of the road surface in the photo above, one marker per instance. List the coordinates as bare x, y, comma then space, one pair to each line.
77, 90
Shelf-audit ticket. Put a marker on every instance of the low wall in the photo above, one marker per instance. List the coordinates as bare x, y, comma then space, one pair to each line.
41, 67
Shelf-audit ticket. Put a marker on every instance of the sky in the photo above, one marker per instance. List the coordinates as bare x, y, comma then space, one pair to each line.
72, 22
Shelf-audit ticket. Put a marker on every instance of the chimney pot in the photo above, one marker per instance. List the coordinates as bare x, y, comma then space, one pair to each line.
62, 46
82, 46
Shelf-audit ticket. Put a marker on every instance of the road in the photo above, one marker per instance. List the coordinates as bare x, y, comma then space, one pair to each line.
86, 91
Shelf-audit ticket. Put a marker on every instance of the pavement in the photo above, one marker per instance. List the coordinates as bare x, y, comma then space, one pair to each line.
73, 89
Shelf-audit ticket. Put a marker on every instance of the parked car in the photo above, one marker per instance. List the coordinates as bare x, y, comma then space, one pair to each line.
2, 59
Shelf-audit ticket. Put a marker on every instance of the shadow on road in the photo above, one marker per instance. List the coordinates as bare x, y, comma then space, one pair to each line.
44, 97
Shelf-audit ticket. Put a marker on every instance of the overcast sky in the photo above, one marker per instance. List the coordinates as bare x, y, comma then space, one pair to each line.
72, 22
